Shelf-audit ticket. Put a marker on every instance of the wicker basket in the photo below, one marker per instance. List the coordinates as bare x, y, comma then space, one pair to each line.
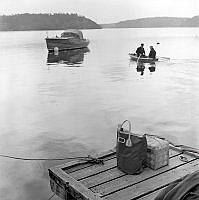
157, 152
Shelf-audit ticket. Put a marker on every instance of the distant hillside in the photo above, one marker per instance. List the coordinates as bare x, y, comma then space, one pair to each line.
153, 22
27, 21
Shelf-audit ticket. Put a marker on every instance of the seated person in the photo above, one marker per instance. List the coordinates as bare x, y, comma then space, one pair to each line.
152, 53
140, 51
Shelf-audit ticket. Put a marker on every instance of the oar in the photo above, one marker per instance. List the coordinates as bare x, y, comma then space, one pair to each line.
164, 58
138, 58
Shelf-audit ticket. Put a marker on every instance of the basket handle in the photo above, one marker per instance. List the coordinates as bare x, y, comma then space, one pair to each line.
128, 141
129, 124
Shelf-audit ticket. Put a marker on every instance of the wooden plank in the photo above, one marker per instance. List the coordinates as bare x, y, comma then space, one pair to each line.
109, 175
104, 186
102, 178
149, 185
112, 174
94, 169
151, 196
62, 183
84, 165
76, 164
173, 152
186, 150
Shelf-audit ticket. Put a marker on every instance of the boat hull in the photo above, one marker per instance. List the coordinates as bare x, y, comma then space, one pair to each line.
142, 59
65, 44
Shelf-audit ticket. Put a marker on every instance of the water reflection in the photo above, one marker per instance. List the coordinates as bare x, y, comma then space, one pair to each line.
69, 57
141, 67
152, 67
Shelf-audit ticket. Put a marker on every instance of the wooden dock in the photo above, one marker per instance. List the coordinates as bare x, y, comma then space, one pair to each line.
82, 180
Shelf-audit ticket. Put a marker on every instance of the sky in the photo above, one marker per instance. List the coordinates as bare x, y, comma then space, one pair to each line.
104, 11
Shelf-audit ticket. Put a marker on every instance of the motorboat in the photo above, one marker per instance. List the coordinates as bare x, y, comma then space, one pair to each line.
69, 39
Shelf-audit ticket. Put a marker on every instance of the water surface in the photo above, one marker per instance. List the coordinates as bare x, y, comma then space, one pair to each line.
70, 104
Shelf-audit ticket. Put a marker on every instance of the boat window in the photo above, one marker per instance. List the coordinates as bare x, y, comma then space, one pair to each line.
70, 35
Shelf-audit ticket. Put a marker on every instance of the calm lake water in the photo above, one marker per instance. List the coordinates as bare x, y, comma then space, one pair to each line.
70, 104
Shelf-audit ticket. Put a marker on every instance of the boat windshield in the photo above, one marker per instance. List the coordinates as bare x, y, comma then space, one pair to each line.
72, 33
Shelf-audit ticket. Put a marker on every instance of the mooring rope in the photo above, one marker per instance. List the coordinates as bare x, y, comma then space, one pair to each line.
94, 160
88, 158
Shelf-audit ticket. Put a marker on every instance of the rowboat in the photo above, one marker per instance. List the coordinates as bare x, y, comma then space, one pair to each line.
102, 180
145, 59
69, 39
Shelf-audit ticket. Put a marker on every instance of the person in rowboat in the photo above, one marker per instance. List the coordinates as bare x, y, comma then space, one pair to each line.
140, 51
152, 53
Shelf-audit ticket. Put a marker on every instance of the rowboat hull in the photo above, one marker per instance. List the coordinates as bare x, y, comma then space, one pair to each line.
142, 59
66, 44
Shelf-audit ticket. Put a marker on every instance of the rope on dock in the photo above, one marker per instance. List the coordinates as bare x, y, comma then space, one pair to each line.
88, 158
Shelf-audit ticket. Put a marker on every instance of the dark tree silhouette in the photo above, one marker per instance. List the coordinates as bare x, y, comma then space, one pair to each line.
58, 21
155, 22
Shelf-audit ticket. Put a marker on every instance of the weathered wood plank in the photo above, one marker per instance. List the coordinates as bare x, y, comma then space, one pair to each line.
104, 177
186, 150
149, 185
151, 196
94, 169
173, 152
79, 164
85, 165
127, 180
76, 165
112, 174
62, 183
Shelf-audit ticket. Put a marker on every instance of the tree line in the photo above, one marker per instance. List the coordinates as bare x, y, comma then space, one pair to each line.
57, 21
153, 22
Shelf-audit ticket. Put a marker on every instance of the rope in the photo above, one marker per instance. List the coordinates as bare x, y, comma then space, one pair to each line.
88, 158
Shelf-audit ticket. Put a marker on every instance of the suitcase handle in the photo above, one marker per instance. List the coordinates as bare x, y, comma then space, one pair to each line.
128, 141
129, 124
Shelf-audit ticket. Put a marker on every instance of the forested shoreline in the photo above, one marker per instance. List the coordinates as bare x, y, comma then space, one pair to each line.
58, 21
155, 22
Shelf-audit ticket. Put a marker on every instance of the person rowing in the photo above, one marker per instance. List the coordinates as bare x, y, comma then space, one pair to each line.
140, 51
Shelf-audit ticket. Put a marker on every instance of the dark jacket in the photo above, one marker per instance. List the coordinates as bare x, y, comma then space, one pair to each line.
152, 54
140, 51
